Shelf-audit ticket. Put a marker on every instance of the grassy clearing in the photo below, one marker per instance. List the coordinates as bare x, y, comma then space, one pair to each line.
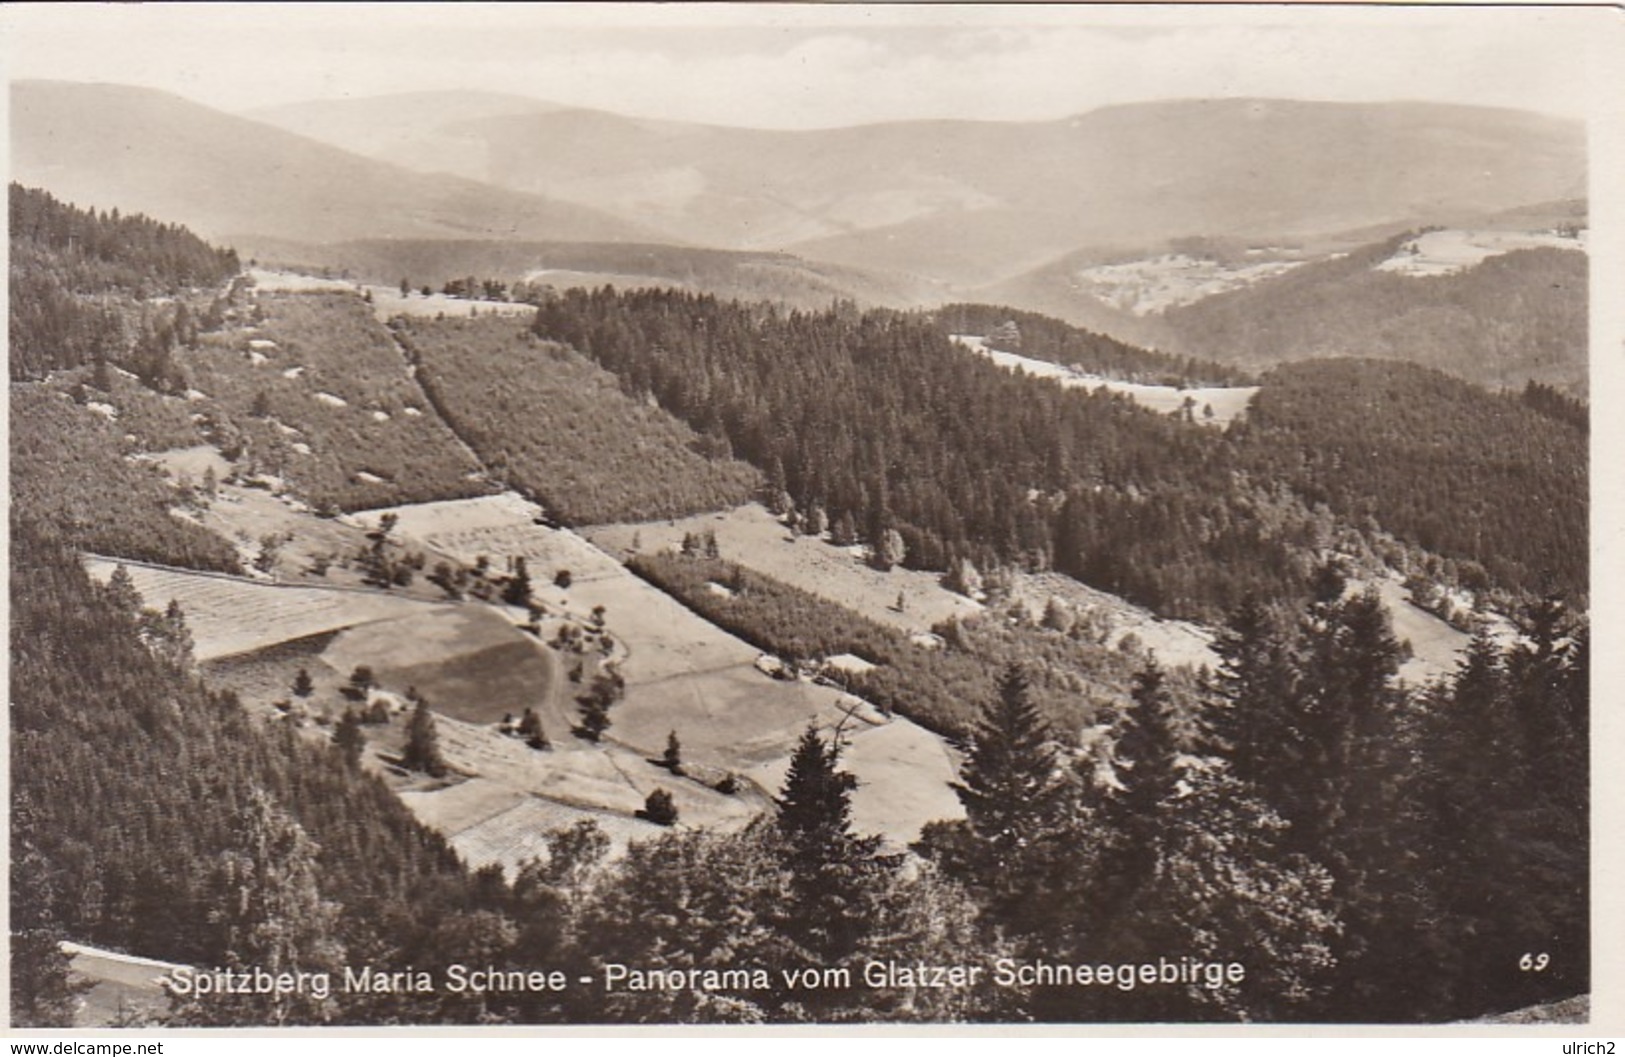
1436, 647
1175, 642
469, 661
682, 672
1227, 402
482, 686
754, 538
1455, 250
1154, 284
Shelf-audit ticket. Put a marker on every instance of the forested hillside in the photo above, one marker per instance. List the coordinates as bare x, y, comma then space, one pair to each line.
317, 392
67, 470
1515, 317
1435, 461
876, 425
1044, 338
878, 421
71, 269
146, 808
1359, 848
548, 421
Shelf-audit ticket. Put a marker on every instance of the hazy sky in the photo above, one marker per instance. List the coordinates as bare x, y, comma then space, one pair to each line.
813, 65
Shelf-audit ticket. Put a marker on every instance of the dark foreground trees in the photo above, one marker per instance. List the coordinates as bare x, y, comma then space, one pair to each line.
1451, 821
782, 902
1361, 850
154, 816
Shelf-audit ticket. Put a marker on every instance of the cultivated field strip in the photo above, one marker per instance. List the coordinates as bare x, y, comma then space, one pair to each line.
517, 835
229, 614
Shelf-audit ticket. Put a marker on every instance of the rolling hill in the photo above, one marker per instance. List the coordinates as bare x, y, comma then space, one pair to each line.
1512, 318
225, 176
974, 202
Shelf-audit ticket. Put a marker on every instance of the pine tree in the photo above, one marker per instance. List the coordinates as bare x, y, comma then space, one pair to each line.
1347, 708
348, 739
121, 592
422, 751
593, 706
303, 685
832, 870
659, 808
1015, 804
1254, 722
44, 989
1009, 784
361, 683
672, 758
814, 805
517, 590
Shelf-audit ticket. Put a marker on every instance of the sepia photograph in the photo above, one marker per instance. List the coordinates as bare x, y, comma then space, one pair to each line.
590, 515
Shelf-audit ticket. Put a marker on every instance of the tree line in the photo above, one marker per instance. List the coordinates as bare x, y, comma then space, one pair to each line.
873, 424
75, 272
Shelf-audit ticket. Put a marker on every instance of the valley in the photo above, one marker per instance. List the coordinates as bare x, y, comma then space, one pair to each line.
500, 532
313, 604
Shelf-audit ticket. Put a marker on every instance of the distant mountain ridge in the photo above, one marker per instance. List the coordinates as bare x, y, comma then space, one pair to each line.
141, 149
973, 202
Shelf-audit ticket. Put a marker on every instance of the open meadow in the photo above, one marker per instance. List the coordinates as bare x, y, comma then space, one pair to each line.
468, 661
1227, 402
754, 538
230, 614
683, 674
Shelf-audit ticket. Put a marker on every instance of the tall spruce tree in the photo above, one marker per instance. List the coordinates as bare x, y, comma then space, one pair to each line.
1181, 857
1009, 784
1015, 800
1254, 721
348, 739
832, 870
422, 751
